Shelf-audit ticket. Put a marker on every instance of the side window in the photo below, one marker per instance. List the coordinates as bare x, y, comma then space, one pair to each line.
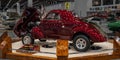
53, 16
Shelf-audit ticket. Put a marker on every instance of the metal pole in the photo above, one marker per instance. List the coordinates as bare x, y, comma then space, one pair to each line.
30, 3
0, 4
18, 8
7, 5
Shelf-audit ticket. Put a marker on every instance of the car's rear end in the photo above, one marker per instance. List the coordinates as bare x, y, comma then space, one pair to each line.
96, 33
93, 30
85, 34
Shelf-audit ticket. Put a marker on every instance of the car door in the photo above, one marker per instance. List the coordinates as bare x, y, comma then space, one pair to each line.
48, 25
62, 28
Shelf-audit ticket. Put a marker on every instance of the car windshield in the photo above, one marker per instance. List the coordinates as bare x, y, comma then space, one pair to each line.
52, 16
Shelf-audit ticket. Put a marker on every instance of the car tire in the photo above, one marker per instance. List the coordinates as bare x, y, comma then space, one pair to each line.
27, 39
81, 43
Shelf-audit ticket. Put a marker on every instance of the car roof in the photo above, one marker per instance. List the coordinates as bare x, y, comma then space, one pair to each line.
63, 13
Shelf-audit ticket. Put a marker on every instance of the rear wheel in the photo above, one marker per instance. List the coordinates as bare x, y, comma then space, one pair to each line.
27, 39
81, 43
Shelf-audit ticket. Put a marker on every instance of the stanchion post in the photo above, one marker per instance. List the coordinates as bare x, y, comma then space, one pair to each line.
116, 46
5, 45
62, 49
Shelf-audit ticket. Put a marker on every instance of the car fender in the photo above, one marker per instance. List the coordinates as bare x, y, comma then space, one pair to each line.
37, 33
80, 29
91, 32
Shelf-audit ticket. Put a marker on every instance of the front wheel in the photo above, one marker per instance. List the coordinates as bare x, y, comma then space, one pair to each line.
81, 43
27, 39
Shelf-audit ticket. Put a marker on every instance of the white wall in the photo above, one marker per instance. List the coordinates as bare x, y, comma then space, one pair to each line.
51, 7
59, 6
82, 6
89, 4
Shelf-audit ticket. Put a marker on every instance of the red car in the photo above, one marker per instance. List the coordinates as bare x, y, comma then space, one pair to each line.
58, 24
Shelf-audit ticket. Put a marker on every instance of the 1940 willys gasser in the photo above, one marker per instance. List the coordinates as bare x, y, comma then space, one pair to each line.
58, 24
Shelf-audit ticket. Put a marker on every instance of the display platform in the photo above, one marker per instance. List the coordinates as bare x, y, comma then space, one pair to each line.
106, 47
60, 51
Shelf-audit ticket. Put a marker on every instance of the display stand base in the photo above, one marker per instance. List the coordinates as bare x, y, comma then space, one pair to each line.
8, 54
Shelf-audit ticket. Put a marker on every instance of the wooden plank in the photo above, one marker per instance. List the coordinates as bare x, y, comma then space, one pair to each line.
62, 50
27, 57
96, 57
3, 48
33, 57
5, 45
3, 36
117, 47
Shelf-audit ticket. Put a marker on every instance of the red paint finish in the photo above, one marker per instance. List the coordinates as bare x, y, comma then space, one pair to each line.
63, 26
36, 33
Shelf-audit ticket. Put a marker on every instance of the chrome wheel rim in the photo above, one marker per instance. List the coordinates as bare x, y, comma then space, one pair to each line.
27, 40
81, 43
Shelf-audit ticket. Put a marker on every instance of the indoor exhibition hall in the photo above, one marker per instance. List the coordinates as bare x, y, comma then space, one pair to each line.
59, 29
